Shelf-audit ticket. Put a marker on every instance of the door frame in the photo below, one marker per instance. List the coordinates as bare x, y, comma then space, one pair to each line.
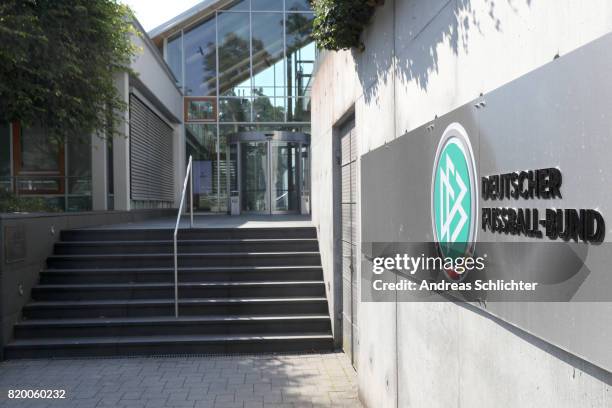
301, 139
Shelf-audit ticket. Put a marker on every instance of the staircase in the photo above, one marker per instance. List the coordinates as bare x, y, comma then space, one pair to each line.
241, 290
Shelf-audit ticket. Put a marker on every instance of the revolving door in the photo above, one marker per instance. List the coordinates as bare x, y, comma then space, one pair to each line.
273, 172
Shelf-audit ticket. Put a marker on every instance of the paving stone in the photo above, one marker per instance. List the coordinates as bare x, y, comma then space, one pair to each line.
317, 380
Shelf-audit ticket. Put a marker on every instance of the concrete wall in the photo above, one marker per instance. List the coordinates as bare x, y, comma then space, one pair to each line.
153, 72
41, 232
156, 86
424, 58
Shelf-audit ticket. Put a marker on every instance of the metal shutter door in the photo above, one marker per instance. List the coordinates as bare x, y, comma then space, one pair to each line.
151, 154
349, 220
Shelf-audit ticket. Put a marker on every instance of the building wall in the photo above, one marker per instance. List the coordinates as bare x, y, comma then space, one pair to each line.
422, 60
155, 85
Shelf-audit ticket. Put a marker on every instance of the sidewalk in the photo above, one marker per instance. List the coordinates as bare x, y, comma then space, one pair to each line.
314, 380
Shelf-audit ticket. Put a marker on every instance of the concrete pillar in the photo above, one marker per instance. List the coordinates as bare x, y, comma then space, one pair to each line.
99, 173
121, 149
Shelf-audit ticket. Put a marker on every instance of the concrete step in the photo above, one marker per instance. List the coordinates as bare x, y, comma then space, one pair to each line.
165, 307
186, 246
160, 325
191, 259
246, 289
185, 274
170, 344
104, 234
241, 290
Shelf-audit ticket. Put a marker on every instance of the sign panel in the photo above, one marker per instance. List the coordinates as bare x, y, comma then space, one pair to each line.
526, 163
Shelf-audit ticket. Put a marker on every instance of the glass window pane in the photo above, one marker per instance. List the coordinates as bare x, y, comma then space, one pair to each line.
5, 150
239, 5
267, 5
267, 109
223, 175
234, 110
298, 109
38, 151
174, 57
5, 157
298, 5
254, 176
300, 54
201, 109
200, 60
79, 171
268, 64
234, 54
202, 146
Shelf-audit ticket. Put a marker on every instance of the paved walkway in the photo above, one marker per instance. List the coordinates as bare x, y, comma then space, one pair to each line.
317, 380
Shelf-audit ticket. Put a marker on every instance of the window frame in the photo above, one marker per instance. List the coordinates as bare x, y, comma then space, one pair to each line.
18, 171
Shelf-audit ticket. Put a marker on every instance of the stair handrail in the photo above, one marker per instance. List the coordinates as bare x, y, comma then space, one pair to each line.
188, 177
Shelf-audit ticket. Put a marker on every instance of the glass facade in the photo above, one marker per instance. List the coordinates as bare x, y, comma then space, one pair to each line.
34, 165
245, 67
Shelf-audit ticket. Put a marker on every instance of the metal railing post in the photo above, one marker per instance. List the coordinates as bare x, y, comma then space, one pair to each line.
191, 192
188, 177
176, 312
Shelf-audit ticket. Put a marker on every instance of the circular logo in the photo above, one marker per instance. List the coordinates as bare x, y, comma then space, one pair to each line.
454, 196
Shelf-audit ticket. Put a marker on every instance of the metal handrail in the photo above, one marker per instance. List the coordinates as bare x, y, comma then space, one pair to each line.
188, 176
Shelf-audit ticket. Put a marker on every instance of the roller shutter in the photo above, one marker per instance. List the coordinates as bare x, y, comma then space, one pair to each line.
151, 154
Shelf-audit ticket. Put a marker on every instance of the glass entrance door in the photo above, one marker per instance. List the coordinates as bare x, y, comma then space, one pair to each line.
284, 176
270, 171
254, 177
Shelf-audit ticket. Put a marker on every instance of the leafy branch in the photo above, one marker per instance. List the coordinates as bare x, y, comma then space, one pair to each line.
338, 24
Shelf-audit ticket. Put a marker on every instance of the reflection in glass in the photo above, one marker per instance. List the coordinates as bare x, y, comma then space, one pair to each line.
238, 5
200, 60
253, 176
79, 174
300, 53
267, 5
305, 167
239, 58
202, 145
234, 55
201, 109
284, 176
233, 168
5, 157
234, 110
267, 109
174, 57
223, 175
298, 5
268, 64
298, 109
39, 152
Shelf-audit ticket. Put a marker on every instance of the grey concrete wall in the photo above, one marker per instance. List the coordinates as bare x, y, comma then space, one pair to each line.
42, 231
425, 58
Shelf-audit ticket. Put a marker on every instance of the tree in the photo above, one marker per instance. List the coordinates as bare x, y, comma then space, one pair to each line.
58, 61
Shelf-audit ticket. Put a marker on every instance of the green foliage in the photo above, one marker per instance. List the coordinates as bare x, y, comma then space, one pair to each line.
57, 63
10, 203
338, 23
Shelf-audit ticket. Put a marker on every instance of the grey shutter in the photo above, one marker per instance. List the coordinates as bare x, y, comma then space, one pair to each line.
350, 281
151, 154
